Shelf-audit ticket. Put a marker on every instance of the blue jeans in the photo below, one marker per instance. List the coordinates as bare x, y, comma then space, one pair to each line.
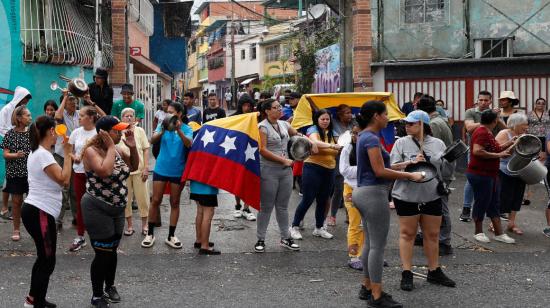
468, 192
317, 184
487, 195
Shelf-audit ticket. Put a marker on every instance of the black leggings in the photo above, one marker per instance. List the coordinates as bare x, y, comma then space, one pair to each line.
104, 223
41, 227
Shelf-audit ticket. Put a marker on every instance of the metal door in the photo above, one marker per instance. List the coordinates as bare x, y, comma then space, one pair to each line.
145, 88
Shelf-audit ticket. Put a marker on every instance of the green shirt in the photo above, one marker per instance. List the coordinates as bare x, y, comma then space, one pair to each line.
440, 129
119, 105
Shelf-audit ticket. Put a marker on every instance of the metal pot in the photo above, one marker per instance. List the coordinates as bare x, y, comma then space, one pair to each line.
531, 171
299, 148
430, 171
528, 146
169, 122
455, 151
78, 87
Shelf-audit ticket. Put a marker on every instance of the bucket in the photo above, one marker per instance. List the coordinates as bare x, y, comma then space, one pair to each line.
531, 171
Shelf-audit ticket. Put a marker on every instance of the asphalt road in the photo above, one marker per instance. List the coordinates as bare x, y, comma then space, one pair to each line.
492, 275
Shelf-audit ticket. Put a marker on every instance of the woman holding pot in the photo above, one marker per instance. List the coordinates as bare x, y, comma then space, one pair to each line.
419, 203
511, 188
374, 175
482, 172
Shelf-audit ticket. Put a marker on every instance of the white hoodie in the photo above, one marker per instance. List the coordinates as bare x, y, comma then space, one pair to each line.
7, 111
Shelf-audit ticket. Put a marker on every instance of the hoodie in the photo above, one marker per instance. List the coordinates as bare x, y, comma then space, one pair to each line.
6, 112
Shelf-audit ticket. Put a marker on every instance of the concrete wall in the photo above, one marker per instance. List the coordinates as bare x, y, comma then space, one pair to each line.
448, 39
247, 66
136, 38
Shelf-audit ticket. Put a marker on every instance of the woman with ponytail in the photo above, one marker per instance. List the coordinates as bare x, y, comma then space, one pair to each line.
87, 117
43, 204
374, 175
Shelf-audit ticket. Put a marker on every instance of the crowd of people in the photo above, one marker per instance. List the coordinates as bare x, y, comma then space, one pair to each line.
99, 168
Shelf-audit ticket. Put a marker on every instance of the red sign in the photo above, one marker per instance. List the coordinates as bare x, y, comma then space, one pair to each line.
135, 51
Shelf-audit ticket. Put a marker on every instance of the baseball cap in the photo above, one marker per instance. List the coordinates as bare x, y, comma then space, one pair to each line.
417, 116
107, 123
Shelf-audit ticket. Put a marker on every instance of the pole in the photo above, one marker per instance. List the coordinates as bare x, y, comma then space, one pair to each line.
127, 43
300, 8
98, 59
233, 90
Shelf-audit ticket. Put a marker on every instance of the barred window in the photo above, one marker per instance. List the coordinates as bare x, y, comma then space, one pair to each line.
272, 53
424, 11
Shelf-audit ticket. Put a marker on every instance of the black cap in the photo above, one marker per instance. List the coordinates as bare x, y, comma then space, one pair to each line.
295, 95
107, 123
127, 87
101, 73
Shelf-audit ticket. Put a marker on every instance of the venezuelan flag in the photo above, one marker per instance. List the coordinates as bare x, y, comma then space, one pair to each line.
225, 154
330, 101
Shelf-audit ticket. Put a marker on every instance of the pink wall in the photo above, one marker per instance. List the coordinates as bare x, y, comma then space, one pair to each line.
138, 39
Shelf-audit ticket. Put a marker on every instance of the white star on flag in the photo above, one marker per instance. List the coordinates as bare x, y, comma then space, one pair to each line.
228, 144
207, 138
249, 153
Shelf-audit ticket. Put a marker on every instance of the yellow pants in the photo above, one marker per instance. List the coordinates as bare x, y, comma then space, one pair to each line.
137, 188
355, 232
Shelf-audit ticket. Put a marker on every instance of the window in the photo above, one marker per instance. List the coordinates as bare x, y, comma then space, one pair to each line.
253, 52
493, 47
216, 62
243, 54
286, 51
272, 53
202, 62
424, 11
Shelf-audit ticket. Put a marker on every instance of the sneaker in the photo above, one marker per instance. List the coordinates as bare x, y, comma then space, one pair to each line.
173, 242
288, 243
438, 277
111, 294
148, 241
364, 293
445, 249
259, 247
356, 264
209, 252
385, 301
407, 281
295, 233
465, 216
418, 240
78, 243
481, 237
331, 221
238, 214
100, 302
322, 232
505, 239
248, 215
29, 303
546, 231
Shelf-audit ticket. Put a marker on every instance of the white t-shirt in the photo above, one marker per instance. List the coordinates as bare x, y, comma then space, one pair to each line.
44, 193
160, 115
79, 137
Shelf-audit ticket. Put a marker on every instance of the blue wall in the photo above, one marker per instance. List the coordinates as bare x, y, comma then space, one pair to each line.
168, 53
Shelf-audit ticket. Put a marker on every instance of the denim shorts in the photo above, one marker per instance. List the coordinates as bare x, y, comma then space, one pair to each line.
161, 178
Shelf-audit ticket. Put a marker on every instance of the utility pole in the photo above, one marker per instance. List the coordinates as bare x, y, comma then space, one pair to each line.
98, 58
233, 90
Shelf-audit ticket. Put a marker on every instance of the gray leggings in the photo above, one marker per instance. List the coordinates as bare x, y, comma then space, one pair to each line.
275, 188
372, 203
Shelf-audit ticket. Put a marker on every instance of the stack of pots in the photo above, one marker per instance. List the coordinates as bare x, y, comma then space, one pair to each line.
525, 163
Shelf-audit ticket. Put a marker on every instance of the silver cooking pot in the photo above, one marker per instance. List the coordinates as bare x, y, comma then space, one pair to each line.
299, 148
169, 122
531, 171
528, 146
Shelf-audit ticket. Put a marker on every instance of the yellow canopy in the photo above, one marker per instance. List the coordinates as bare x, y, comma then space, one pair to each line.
310, 102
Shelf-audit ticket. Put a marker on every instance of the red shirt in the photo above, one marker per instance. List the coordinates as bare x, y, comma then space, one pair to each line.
484, 166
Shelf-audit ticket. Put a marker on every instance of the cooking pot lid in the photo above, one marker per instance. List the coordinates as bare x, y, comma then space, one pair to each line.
429, 170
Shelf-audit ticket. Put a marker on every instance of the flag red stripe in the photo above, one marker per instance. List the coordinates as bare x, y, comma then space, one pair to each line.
224, 174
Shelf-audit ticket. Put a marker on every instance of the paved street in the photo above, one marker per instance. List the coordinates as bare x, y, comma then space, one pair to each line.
492, 275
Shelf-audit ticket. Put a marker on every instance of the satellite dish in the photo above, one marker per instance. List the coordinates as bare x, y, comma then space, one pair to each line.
318, 10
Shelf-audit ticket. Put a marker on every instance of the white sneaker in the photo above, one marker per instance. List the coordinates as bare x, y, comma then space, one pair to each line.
322, 232
481, 237
295, 233
148, 241
248, 215
505, 239
238, 214
173, 242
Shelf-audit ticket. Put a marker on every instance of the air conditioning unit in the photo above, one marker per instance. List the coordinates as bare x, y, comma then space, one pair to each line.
494, 47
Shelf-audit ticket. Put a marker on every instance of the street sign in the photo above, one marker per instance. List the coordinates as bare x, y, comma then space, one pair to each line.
135, 51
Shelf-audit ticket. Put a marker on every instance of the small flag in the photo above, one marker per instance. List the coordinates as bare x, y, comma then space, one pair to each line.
225, 154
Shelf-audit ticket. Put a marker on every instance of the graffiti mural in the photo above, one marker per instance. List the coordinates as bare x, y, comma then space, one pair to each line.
327, 77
